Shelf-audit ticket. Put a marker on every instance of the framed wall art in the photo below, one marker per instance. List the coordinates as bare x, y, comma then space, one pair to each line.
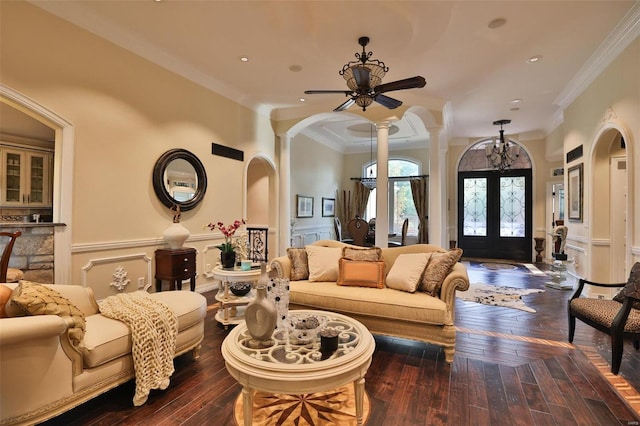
328, 207
304, 206
575, 192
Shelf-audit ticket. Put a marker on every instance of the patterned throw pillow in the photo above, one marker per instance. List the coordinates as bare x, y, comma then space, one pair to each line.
438, 269
37, 299
367, 254
407, 270
632, 288
361, 273
299, 263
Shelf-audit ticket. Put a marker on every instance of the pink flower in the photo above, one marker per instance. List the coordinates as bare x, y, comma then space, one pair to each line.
227, 232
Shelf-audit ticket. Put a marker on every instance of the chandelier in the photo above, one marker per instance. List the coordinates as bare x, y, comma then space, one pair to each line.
363, 66
501, 155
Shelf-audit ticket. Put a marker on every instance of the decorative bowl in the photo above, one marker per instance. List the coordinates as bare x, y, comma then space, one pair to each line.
240, 288
304, 328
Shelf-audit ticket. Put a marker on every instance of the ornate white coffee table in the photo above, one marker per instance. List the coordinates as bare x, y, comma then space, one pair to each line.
280, 366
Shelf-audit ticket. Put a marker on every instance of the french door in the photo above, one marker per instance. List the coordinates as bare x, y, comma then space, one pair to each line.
494, 214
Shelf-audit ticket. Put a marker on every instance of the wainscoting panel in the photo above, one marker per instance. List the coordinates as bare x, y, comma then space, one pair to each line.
118, 274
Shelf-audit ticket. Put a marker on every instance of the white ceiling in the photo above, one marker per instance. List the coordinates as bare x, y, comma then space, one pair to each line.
472, 71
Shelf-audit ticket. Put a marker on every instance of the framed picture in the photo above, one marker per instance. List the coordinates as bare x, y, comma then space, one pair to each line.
305, 206
575, 193
328, 207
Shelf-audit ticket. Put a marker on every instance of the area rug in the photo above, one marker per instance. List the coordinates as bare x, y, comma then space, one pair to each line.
487, 294
334, 407
498, 266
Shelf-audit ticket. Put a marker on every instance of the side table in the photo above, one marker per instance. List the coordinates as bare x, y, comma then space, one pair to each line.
228, 313
175, 266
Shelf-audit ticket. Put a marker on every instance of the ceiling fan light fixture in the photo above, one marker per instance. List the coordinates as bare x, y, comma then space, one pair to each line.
364, 101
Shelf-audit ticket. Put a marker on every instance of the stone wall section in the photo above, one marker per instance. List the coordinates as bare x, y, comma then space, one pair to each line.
33, 253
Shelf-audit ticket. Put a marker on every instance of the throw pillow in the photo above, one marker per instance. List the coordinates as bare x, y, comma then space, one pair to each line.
372, 254
5, 295
37, 299
299, 264
323, 262
438, 269
361, 273
407, 270
632, 288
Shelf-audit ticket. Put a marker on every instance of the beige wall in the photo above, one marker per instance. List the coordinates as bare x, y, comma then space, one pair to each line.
125, 112
612, 101
316, 171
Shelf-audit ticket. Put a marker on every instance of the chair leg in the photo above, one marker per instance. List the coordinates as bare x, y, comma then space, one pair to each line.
636, 342
617, 343
572, 327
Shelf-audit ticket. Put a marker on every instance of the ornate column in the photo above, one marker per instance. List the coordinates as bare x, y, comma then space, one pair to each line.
284, 197
382, 184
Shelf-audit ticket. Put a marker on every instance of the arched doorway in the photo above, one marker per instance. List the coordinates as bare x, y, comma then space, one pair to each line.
495, 207
609, 176
261, 203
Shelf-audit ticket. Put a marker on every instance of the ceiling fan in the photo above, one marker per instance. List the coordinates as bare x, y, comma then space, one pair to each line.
363, 78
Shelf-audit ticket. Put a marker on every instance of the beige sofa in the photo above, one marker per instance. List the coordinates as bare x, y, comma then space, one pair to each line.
386, 311
42, 374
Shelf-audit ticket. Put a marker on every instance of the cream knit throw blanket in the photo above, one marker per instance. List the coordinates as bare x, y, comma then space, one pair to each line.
154, 328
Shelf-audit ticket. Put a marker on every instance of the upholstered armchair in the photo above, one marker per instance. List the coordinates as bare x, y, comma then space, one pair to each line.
619, 318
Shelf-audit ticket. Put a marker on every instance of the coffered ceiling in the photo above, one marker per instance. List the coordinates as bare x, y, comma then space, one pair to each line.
474, 54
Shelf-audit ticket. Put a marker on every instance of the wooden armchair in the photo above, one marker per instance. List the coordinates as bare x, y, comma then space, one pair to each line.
9, 274
619, 318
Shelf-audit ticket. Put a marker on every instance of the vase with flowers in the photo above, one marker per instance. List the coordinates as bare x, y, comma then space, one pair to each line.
227, 249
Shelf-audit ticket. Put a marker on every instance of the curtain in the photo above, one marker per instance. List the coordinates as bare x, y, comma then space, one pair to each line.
361, 196
419, 193
344, 209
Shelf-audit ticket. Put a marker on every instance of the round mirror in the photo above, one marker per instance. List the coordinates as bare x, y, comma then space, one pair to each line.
179, 179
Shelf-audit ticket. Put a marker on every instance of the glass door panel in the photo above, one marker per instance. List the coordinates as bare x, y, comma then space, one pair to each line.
13, 163
37, 179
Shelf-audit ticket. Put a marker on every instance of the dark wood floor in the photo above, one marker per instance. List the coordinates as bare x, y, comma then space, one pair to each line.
511, 368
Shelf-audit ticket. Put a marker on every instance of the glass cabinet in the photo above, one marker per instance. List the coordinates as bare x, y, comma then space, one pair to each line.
26, 177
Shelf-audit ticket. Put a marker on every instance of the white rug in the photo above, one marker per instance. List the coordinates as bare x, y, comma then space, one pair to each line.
494, 295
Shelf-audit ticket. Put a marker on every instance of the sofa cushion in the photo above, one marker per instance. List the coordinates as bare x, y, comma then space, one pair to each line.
361, 273
407, 270
323, 263
384, 303
437, 270
107, 339
37, 299
299, 263
5, 295
370, 253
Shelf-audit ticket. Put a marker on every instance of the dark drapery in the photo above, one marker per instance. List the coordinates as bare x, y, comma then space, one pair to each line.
419, 193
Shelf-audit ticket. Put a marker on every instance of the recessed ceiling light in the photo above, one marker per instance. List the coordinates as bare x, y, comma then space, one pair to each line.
302, 99
295, 68
244, 59
516, 101
534, 59
497, 23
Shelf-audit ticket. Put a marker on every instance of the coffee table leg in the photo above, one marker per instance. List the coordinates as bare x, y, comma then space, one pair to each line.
247, 405
358, 387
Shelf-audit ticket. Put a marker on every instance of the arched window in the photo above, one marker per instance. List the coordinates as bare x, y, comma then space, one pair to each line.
476, 157
400, 199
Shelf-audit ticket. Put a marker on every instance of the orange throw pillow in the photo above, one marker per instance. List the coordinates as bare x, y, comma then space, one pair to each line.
361, 273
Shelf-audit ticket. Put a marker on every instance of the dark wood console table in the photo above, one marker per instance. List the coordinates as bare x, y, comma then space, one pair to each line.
175, 266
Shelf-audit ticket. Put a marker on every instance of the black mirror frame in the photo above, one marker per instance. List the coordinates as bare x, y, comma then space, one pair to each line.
158, 178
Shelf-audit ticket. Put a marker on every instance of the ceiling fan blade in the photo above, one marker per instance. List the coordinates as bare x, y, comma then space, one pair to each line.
387, 101
345, 105
316, 92
407, 83
362, 76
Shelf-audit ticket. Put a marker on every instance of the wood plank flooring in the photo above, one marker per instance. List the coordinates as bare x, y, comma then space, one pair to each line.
511, 368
